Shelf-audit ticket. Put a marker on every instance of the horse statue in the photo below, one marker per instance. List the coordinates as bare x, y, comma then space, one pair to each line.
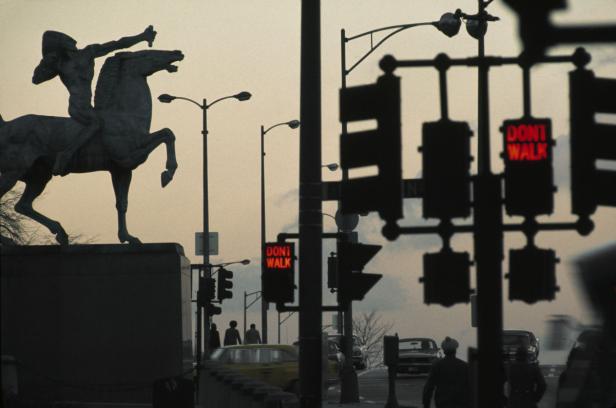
29, 144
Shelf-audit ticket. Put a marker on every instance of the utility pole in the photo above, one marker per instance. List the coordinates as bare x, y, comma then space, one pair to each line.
310, 218
488, 249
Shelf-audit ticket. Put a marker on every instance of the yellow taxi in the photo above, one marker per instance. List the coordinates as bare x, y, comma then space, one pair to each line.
274, 364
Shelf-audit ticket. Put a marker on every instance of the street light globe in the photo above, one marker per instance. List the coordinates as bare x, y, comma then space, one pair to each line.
242, 96
293, 124
245, 262
449, 24
331, 166
166, 98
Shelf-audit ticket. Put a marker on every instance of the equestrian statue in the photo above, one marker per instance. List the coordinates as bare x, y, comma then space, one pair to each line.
113, 135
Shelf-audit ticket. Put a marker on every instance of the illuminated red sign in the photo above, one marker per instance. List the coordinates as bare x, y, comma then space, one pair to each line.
527, 140
279, 255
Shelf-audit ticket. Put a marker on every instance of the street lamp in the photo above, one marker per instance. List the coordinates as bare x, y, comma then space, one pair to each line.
331, 166
223, 264
204, 106
293, 124
449, 24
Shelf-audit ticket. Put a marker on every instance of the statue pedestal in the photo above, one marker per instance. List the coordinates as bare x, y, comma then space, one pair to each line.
96, 323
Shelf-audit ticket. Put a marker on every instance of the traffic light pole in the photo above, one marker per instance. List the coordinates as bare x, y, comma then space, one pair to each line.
310, 207
206, 235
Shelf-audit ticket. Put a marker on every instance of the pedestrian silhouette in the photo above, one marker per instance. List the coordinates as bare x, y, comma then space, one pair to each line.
448, 380
232, 335
214, 337
525, 381
252, 336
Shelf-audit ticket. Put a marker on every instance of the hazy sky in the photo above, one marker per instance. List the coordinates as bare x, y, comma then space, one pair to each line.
253, 45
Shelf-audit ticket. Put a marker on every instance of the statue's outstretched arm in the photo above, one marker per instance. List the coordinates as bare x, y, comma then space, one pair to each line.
100, 50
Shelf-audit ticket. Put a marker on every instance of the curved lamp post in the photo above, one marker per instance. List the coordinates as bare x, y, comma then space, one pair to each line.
204, 106
293, 124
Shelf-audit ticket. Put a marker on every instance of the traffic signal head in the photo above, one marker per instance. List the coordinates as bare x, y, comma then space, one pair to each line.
529, 187
224, 284
380, 148
446, 158
591, 141
332, 271
278, 279
446, 278
532, 274
206, 291
212, 310
352, 283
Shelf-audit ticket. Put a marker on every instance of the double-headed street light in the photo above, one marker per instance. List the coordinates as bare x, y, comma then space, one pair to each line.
204, 106
293, 124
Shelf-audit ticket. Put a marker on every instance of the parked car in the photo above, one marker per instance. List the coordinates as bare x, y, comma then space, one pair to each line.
274, 364
417, 354
359, 353
512, 339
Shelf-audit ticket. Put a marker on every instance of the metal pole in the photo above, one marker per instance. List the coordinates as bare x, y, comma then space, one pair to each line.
244, 314
263, 302
488, 252
349, 386
278, 327
199, 324
206, 230
310, 208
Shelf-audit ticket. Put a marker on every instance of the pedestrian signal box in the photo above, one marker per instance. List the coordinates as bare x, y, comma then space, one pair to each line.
278, 280
529, 177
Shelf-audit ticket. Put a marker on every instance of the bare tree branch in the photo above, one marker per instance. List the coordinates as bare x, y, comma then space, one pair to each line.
370, 329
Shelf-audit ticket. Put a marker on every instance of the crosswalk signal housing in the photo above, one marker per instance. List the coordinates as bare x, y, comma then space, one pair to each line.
532, 274
529, 174
446, 278
278, 280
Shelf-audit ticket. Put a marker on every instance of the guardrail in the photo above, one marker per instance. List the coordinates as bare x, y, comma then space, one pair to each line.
220, 387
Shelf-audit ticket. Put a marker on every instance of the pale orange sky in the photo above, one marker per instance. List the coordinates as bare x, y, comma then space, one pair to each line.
254, 45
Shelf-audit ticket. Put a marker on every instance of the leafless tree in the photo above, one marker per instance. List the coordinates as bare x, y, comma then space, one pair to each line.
16, 229
370, 329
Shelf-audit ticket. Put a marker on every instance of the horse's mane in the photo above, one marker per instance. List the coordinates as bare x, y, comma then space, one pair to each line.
108, 79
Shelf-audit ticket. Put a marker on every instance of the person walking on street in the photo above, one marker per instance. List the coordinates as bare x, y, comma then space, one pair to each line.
252, 336
232, 335
525, 381
448, 380
214, 337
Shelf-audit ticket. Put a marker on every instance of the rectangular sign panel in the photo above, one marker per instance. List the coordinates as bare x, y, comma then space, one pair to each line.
279, 272
213, 243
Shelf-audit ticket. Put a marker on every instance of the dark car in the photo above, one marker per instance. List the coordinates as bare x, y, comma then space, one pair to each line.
513, 339
358, 357
417, 354
579, 383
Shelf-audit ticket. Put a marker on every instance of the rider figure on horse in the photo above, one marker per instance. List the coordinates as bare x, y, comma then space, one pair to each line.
76, 70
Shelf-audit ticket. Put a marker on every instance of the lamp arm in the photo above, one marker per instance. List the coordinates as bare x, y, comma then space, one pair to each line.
218, 100
401, 27
189, 100
276, 125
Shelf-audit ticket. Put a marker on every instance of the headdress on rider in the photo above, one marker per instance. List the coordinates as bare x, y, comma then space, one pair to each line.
54, 42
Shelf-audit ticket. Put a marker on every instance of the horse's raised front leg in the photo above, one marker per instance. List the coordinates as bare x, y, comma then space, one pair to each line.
151, 142
35, 184
121, 182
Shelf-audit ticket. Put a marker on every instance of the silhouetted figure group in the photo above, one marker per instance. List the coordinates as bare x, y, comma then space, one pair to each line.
449, 381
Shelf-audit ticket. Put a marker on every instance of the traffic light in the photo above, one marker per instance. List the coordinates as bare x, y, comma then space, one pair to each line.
206, 291
446, 277
212, 310
532, 274
591, 141
332, 271
446, 158
529, 176
352, 283
278, 280
224, 284
380, 148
